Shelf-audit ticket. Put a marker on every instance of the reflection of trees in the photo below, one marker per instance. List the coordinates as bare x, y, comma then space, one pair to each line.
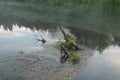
88, 38
92, 39
8, 21
116, 40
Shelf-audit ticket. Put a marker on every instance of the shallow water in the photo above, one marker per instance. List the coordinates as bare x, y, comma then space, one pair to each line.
24, 39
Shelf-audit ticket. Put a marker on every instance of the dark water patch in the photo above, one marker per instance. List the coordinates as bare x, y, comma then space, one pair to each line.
95, 40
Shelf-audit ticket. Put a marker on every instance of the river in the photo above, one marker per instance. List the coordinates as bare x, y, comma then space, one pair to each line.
20, 22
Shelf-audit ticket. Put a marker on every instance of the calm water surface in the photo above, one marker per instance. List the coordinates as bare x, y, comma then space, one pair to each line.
24, 39
105, 66
96, 32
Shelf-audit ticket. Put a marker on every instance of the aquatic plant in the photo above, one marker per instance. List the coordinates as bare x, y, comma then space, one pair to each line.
74, 56
67, 44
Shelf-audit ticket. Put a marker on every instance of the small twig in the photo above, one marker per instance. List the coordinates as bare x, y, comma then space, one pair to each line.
42, 40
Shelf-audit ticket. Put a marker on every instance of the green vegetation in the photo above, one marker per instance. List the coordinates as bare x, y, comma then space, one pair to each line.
80, 7
74, 56
73, 2
67, 44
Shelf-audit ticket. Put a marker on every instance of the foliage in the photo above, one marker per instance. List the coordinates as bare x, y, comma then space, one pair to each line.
107, 7
68, 44
71, 2
60, 42
74, 56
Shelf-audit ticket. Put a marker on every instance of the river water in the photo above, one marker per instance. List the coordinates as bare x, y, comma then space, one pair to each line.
21, 22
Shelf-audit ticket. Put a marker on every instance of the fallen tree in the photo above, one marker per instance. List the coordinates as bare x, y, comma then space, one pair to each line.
68, 45
75, 57
68, 39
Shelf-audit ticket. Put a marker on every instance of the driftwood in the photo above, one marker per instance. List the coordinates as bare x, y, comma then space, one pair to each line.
64, 49
67, 37
65, 55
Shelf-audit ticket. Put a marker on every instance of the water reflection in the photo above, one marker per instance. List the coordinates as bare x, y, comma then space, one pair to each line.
88, 38
95, 40
22, 38
102, 67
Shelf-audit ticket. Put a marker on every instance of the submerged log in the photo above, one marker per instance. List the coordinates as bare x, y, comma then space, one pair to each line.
65, 55
66, 46
71, 55
64, 49
67, 38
